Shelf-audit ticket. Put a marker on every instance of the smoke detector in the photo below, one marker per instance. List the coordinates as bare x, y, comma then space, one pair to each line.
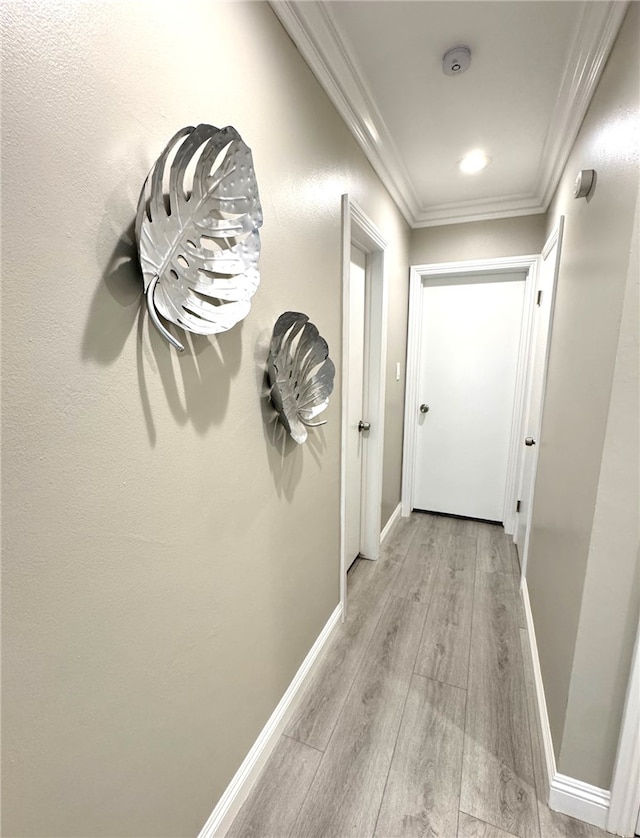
456, 61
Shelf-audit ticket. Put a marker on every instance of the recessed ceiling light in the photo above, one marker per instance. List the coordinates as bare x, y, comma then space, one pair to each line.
474, 162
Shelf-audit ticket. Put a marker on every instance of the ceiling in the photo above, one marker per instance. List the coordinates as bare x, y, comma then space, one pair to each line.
534, 67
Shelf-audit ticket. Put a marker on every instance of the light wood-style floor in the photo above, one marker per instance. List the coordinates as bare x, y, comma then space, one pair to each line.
419, 720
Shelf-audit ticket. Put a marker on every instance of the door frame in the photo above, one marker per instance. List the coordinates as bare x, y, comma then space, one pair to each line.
553, 240
624, 807
452, 270
358, 229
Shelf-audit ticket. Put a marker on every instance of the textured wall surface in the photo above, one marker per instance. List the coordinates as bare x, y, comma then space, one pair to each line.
579, 463
519, 236
169, 558
611, 597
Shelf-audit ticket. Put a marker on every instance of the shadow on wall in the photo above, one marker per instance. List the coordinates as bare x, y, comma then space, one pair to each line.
206, 367
286, 457
115, 303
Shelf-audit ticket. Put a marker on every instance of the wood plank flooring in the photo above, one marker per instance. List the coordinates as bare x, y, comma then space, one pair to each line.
345, 795
419, 720
497, 773
421, 792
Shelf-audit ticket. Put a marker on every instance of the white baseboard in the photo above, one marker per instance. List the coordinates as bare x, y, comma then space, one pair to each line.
541, 702
238, 789
388, 526
579, 800
566, 795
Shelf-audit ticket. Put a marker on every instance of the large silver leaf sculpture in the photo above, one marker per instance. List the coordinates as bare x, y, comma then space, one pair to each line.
197, 230
300, 373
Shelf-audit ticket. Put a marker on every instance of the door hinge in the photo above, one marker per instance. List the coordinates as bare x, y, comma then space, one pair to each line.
518, 505
539, 300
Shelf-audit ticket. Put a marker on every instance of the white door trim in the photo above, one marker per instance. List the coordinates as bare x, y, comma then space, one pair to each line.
357, 228
625, 787
509, 264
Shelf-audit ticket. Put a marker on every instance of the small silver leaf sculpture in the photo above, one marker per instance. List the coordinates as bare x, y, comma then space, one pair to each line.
300, 373
199, 254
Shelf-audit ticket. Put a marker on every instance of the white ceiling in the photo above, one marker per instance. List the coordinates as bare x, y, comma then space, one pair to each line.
534, 68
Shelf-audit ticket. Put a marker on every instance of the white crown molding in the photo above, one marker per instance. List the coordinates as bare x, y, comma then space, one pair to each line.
479, 210
594, 39
313, 30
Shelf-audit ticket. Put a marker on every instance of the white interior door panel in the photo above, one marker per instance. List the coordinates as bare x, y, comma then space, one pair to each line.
355, 440
468, 363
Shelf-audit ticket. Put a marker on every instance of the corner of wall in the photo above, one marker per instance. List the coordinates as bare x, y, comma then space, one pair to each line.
582, 553
610, 604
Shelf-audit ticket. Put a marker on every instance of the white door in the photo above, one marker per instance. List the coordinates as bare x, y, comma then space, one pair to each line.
538, 360
355, 395
468, 363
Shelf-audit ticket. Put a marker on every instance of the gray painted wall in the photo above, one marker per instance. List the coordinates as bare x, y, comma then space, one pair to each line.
163, 555
169, 559
610, 601
519, 236
583, 572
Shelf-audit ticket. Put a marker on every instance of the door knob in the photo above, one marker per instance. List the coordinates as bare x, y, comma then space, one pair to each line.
424, 408
529, 441
364, 426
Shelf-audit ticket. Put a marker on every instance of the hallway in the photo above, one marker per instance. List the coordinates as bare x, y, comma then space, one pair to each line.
419, 720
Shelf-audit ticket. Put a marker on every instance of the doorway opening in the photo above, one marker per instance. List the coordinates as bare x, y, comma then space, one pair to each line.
467, 373
364, 341
358, 425
451, 307
536, 376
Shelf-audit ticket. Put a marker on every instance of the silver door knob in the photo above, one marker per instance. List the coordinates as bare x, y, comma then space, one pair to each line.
424, 408
529, 441
364, 426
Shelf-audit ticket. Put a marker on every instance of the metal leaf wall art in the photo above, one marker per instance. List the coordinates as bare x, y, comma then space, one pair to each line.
300, 373
198, 239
